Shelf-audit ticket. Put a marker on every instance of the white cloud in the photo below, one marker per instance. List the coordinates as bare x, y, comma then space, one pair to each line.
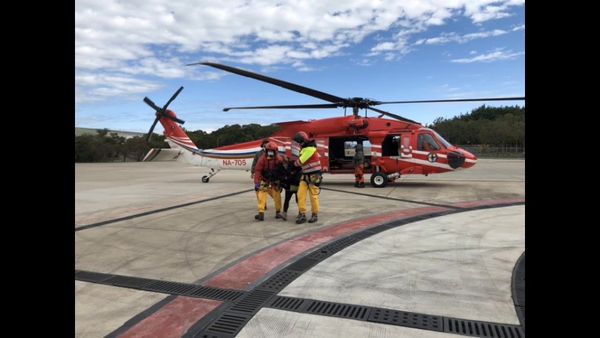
497, 55
385, 46
141, 38
93, 87
300, 66
480, 11
453, 37
518, 28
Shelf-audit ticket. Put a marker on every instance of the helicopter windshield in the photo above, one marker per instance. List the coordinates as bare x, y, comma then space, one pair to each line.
441, 139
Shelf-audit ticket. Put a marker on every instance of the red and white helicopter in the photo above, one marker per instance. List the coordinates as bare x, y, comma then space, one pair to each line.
392, 147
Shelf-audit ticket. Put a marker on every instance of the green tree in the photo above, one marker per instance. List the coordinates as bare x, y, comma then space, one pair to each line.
496, 126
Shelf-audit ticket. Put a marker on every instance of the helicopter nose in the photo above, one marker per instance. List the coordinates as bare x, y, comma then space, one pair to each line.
470, 159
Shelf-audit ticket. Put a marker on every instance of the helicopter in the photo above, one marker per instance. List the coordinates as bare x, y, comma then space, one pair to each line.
392, 147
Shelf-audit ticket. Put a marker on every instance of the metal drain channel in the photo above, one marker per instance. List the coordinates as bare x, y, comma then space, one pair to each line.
229, 319
518, 288
161, 286
399, 318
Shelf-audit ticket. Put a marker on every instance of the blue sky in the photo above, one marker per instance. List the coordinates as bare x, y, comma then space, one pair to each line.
382, 50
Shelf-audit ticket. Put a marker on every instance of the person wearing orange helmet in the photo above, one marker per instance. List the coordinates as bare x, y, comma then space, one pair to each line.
266, 180
310, 162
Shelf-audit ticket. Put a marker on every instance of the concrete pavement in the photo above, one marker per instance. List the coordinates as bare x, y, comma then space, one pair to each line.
192, 243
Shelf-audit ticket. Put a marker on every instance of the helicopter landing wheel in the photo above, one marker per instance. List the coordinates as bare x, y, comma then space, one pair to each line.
379, 180
205, 179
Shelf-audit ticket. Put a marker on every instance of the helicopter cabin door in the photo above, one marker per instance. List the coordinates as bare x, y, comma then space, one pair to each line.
405, 147
323, 149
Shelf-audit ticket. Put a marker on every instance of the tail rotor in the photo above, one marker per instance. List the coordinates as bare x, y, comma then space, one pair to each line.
162, 112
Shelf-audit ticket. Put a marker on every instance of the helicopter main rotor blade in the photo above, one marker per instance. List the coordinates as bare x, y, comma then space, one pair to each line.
298, 106
397, 117
280, 83
453, 100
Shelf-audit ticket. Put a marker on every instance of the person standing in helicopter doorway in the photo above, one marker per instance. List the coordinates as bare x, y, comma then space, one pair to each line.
359, 166
311, 178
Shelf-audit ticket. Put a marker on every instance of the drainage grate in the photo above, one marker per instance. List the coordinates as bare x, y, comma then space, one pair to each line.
252, 302
518, 288
303, 264
233, 319
218, 294
409, 319
173, 288
287, 303
342, 243
279, 280
399, 318
338, 310
155, 285
129, 282
336, 246
93, 277
519, 281
320, 254
482, 329
227, 323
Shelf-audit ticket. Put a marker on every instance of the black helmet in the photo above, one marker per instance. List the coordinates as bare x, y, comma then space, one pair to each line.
301, 137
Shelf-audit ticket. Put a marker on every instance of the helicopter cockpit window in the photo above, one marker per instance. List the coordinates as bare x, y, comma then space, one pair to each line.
425, 142
441, 139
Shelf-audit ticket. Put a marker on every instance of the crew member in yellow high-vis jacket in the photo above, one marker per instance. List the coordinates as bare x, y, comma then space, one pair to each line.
311, 178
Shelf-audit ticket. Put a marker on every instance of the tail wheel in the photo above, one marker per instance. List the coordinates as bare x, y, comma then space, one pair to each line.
205, 179
379, 180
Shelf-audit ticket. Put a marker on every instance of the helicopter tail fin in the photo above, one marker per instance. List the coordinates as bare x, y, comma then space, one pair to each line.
175, 135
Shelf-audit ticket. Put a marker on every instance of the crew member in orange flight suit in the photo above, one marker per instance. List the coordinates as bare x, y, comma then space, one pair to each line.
266, 180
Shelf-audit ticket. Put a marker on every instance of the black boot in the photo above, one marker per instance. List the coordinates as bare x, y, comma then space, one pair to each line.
260, 216
356, 184
300, 219
313, 218
278, 215
361, 185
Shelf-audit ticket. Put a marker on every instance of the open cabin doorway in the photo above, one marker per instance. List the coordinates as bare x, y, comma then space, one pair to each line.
341, 152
